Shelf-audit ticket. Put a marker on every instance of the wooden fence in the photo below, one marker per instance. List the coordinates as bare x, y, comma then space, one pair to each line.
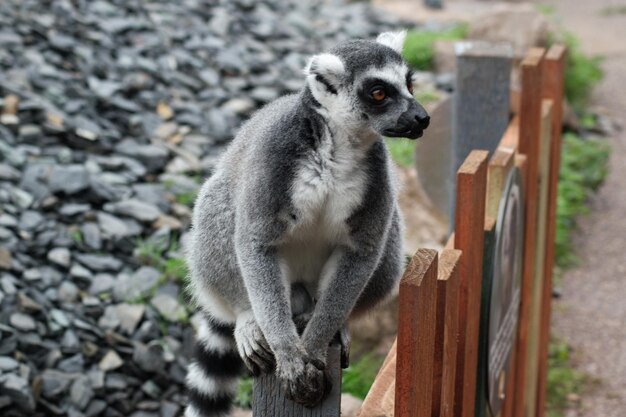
438, 365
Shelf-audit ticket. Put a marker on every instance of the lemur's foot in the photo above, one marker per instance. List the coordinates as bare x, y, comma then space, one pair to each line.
344, 339
302, 378
252, 346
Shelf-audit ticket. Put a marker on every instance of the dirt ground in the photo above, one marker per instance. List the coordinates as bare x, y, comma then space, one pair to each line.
591, 314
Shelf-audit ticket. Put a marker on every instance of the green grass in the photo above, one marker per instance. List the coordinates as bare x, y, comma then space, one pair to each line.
419, 45
359, 377
402, 150
244, 395
584, 165
186, 199
563, 380
582, 73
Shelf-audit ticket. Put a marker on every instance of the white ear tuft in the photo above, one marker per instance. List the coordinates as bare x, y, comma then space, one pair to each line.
394, 40
326, 65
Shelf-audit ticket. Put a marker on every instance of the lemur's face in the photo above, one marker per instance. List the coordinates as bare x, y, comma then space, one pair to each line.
367, 83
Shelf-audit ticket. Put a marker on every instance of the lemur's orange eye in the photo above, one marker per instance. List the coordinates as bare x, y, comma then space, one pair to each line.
378, 94
409, 85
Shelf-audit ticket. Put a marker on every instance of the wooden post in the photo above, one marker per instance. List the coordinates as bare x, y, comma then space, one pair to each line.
534, 316
270, 400
529, 133
444, 369
469, 220
481, 100
416, 336
553, 86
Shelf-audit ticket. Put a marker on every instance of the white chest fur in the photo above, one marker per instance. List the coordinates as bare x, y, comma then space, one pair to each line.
328, 187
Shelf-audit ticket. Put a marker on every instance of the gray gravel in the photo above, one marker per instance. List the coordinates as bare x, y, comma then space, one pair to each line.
111, 114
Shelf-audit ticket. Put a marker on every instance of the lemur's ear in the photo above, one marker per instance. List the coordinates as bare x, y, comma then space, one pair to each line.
394, 40
324, 73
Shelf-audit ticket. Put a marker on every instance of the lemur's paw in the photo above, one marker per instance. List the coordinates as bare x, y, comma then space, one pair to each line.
252, 346
303, 380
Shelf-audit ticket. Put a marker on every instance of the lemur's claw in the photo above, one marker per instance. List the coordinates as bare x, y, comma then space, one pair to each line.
253, 348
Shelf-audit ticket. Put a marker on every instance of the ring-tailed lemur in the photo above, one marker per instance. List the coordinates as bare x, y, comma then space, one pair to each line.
301, 210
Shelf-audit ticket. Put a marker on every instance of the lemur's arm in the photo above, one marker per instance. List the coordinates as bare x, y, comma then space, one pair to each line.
354, 265
255, 241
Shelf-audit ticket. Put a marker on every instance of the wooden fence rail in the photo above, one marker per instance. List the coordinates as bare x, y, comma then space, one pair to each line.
442, 363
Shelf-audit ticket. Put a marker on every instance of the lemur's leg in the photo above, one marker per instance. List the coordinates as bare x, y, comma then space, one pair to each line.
213, 375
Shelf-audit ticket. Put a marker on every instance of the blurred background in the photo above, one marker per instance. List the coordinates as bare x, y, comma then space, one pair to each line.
113, 112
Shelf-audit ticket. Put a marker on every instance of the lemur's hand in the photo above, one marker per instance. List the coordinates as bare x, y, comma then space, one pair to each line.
252, 346
302, 377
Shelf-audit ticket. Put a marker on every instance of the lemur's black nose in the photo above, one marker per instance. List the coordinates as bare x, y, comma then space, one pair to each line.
423, 121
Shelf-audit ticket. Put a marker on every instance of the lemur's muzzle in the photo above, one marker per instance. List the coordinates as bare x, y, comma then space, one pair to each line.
411, 124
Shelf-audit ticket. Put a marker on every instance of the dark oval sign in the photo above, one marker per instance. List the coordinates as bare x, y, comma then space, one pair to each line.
505, 288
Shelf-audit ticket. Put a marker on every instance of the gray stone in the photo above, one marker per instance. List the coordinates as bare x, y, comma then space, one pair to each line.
101, 282
109, 320
70, 342
152, 156
68, 292
149, 357
72, 209
54, 383
30, 220
81, 392
22, 322
169, 307
69, 179
72, 364
483, 85
80, 272
113, 227
18, 389
99, 262
138, 285
91, 235
110, 361
8, 364
129, 315
21, 198
137, 209
60, 256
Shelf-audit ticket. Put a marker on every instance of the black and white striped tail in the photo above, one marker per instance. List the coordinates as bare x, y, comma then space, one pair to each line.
213, 375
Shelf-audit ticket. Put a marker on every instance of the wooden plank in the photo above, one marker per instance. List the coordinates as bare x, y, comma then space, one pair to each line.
529, 134
469, 221
540, 246
500, 164
416, 336
482, 390
510, 139
270, 400
380, 399
444, 369
450, 242
553, 88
